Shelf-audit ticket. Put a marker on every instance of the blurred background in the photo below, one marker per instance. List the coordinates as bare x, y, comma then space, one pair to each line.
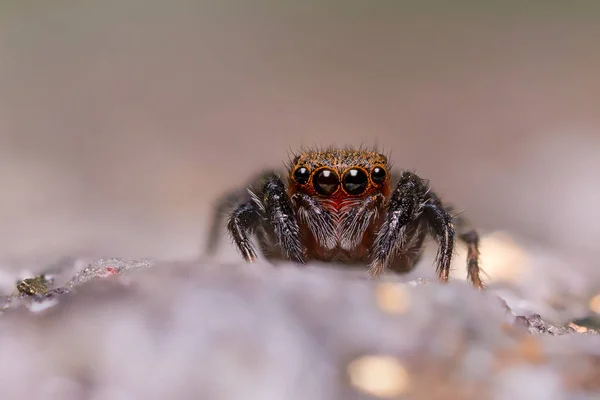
121, 121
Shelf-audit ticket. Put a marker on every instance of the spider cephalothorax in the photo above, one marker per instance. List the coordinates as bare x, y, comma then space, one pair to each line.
347, 206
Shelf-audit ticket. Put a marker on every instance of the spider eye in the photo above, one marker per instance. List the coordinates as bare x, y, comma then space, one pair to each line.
378, 175
301, 175
326, 182
355, 181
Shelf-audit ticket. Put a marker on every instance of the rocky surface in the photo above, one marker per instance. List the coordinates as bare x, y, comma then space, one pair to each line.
119, 329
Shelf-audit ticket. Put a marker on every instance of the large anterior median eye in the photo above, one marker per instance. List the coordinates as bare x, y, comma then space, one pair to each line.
325, 182
355, 181
301, 175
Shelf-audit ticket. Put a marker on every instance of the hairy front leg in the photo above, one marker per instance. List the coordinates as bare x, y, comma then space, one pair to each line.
403, 207
280, 216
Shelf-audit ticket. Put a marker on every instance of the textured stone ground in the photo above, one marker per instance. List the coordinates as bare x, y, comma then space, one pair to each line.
118, 329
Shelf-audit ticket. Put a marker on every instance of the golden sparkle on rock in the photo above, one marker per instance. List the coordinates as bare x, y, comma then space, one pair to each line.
392, 298
595, 304
33, 286
381, 376
578, 328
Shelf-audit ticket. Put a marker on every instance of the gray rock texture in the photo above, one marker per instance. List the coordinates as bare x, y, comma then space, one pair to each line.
119, 329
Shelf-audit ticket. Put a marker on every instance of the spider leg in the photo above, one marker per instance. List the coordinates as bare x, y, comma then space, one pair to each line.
241, 224
318, 219
471, 238
279, 214
403, 207
411, 201
268, 207
220, 210
441, 225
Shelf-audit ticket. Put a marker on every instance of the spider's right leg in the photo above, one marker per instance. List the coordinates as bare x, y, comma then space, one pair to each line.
224, 205
281, 217
242, 223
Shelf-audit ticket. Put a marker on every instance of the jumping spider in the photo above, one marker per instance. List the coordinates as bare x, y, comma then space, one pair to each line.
347, 206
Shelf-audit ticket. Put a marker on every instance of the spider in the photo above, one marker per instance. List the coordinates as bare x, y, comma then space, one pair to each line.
345, 206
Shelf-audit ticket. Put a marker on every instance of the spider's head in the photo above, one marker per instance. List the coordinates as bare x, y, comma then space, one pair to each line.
340, 175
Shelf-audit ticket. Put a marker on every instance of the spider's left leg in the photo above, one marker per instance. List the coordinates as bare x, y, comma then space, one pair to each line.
471, 238
412, 200
441, 225
403, 207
